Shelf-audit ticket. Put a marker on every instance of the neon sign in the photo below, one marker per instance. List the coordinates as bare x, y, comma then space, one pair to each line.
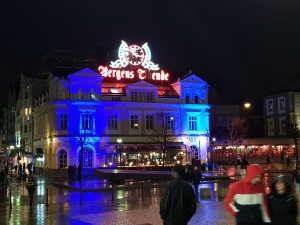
133, 55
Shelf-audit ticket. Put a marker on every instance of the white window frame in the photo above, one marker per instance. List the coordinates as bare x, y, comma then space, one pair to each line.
134, 121
149, 122
282, 125
271, 127
281, 105
269, 106
193, 123
112, 122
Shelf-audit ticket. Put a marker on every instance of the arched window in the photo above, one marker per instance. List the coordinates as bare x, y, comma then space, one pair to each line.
187, 98
194, 151
87, 158
63, 159
196, 98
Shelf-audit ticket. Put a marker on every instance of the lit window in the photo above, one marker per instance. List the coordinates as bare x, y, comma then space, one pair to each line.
133, 122
87, 158
63, 159
87, 121
192, 123
112, 122
169, 123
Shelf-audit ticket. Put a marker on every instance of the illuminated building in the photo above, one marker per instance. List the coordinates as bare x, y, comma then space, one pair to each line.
129, 115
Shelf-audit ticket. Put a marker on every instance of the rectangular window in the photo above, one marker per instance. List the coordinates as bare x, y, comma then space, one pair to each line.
271, 127
134, 122
149, 97
149, 122
87, 121
270, 106
134, 96
25, 128
169, 123
281, 105
192, 123
63, 122
282, 125
112, 122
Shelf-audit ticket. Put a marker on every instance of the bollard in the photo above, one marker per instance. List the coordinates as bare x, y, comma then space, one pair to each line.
112, 191
47, 203
80, 194
10, 205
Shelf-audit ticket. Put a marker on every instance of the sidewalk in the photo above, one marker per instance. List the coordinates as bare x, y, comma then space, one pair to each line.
135, 203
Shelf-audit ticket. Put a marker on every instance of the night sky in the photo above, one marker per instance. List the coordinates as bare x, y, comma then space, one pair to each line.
243, 48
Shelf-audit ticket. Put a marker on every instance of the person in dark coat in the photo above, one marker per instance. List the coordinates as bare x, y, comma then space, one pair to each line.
178, 204
2, 178
187, 174
282, 204
31, 186
196, 178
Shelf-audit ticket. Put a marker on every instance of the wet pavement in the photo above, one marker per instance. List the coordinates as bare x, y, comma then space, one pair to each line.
134, 203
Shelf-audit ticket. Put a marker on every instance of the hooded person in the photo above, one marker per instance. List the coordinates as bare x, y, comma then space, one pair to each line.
282, 204
246, 199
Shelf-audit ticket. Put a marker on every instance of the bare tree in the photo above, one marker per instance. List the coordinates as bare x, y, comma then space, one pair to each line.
292, 130
237, 128
162, 131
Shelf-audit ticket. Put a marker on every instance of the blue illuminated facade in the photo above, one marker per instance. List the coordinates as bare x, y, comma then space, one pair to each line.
115, 121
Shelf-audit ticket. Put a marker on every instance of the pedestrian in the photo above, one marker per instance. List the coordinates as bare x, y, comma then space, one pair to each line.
282, 204
287, 161
196, 178
2, 178
178, 204
296, 179
74, 171
187, 174
31, 186
246, 199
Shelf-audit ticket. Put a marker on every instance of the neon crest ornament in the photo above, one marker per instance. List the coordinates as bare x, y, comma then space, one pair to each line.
134, 55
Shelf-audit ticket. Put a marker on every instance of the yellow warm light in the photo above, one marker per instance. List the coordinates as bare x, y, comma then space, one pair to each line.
247, 105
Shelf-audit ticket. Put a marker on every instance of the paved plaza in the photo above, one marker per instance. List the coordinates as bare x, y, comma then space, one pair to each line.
130, 204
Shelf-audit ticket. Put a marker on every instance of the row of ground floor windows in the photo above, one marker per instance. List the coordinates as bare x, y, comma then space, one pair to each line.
87, 158
113, 159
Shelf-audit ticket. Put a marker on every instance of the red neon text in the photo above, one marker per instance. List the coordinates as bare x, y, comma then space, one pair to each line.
130, 74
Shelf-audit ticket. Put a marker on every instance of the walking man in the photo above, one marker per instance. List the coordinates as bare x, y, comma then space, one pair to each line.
177, 205
246, 199
196, 179
31, 186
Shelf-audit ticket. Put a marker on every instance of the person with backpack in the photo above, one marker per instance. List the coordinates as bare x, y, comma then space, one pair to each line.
178, 204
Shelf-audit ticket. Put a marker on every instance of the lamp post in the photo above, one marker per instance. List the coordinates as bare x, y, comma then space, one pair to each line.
119, 141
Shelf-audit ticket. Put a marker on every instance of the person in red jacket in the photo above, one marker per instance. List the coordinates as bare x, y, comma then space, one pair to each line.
246, 199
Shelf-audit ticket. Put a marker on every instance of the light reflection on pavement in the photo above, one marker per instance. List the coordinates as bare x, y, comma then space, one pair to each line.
131, 206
